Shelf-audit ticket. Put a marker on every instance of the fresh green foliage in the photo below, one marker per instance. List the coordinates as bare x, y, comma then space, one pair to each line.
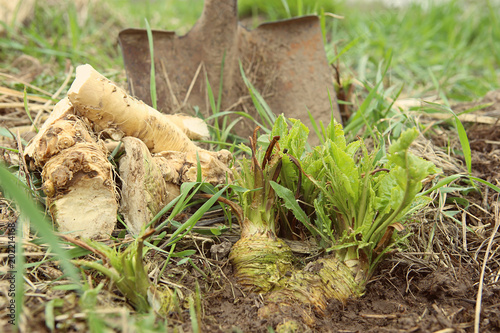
195, 310
8, 134
424, 40
260, 259
20, 266
26, 109
264, 111
127, 271
126, 266
258, 200
88, 302
187, 226
284, 9
49, 312
376, 113
430, 54
221, 129
14, 189
359, 197
463, 57
63, 31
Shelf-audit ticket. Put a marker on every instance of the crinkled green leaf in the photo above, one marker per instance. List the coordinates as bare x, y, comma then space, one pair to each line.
404, 142
345, 169
323, 221
296, 139
419, 169
280, 127
289, 173
336, 134
353, 147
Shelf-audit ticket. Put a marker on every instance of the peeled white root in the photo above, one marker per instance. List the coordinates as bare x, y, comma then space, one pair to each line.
151, 182
144, 192
113, 111
80, 191
76, 173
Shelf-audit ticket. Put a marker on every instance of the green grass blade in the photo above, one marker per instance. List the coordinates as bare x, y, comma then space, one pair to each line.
440, 184
315, 127
190, 223
15, 189
265, 113
487, 183
344, 50
290, 202
198, 168
464, 142
194, 319
20, 268
152, 81
8, 134
221, 81
462, 134
287, 8
26, 109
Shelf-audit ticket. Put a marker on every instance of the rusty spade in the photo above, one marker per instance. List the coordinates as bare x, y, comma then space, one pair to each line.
284, 60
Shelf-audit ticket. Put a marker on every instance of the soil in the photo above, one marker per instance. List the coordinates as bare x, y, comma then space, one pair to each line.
393, 302
418, 290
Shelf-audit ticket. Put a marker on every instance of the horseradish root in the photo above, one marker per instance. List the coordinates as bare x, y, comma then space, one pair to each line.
77, 176
181, 167
113, 111
144, 192
118, 114
60, 131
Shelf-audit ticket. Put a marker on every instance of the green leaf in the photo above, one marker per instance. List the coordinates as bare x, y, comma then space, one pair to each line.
67, 287
336, 134
397, 151
267, 116
49, 312
185, 253
496, 188
12, 187
182, 261
296, 139
441, 183
389, 190
8, 134
464, 142
280, 127
190, 223
346, 173
215, 231
152, 79
290, 202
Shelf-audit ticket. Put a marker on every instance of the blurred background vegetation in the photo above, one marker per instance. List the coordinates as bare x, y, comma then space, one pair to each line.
450, 46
